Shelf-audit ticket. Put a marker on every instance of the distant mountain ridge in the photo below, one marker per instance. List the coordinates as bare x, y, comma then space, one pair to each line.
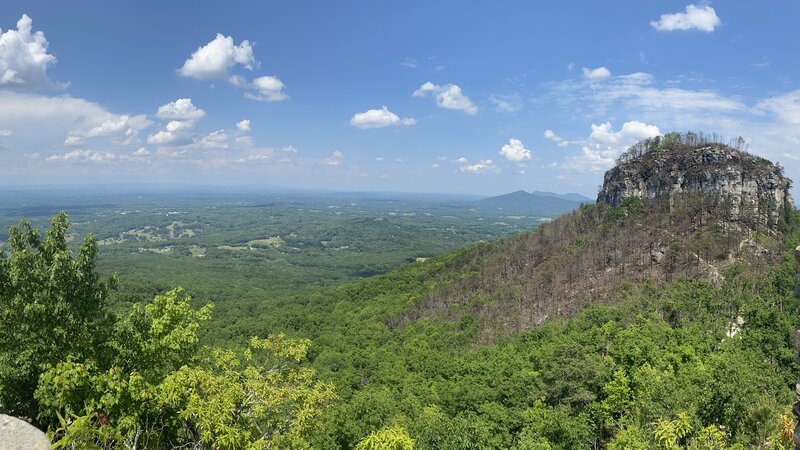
541, 204
573, 196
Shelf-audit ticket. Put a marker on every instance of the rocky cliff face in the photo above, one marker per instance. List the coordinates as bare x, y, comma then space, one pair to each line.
752, 189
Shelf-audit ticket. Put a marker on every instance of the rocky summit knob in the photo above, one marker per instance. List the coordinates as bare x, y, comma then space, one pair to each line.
797, 255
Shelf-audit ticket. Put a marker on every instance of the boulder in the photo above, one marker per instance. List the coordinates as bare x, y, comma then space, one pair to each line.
16, 434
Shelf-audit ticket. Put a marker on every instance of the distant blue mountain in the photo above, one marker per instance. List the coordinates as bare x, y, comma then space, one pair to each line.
568, 196
537, 204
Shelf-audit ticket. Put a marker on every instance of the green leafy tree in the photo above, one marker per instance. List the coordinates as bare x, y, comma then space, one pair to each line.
619, 398
391, 438
159, 337
158, 395
709, 438
670, 433
51, 305
557, 427
631, 438
264, 399
118, 403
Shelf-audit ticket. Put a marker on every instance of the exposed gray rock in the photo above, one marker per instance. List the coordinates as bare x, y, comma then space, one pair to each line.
735, 326
752, 188
16, 434
657, 255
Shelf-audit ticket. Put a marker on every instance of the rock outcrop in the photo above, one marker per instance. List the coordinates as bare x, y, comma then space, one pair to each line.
751, 189
16, 434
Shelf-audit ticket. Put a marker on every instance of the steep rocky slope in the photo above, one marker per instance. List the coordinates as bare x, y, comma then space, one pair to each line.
675, 207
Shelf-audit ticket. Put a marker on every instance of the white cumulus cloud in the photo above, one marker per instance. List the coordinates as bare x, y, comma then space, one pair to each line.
603, 133
596, 74
108, 127
551, 135
515, 151
41, 122
181, 109
631, 131
243, 125
636, 130
213, 60
83, 156
24, 58
484, 165
335, 159
74, 141
604, 145
593, 158
124, 130
216, 140
702, 18
379, 118
448, 96
177, 132
268, 89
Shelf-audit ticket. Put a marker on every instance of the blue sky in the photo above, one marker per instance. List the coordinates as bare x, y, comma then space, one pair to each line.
462, 97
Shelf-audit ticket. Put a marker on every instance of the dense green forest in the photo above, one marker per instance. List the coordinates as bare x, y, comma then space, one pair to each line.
678, 363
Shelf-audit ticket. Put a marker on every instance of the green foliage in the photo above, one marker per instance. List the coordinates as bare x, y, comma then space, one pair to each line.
670, 141
618, 398
629, 206
121, 403
159, 337
263, 398
52, 304
670, 433
632, 438
393, 438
